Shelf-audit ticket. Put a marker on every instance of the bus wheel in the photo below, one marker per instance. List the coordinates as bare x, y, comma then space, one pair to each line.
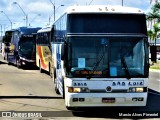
54, 76
40, 69
72, 108
18, 63
56, 88
63, 90
50, 71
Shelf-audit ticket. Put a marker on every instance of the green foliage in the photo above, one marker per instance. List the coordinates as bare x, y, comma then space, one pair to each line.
154, 15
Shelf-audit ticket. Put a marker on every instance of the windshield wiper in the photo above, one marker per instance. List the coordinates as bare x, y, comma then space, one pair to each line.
96, 64
123, 61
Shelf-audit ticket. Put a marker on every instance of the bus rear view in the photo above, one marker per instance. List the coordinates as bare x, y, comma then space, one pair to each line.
104, 58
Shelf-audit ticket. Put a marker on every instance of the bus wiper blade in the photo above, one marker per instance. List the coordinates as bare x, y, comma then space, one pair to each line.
123, 61
96, 65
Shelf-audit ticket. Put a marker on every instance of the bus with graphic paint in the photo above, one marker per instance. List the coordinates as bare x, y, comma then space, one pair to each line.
100, 56
43, 50
22, 48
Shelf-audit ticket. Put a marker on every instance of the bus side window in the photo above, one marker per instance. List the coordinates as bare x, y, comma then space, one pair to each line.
52, 34
38, 38
42, 39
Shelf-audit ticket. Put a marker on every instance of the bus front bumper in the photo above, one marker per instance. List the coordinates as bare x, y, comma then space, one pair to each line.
106, 99
26, 62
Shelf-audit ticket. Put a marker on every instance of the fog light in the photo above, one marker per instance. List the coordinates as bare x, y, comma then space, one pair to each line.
81, 99
134, 99
75, 99
140, 99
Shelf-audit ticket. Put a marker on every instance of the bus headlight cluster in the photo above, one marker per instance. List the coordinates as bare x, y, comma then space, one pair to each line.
27, 59
22, 58
134, 89
78, 89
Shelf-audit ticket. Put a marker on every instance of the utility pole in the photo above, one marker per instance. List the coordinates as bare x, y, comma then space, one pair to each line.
26, 16
53, 8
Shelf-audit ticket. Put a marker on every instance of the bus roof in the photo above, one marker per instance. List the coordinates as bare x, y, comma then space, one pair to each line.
27, 30
46, 29
102, 9
10, 30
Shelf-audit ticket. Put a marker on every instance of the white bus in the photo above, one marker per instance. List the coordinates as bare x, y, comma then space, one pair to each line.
100, 56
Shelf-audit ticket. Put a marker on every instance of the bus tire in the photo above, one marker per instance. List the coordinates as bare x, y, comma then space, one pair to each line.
70, 108
18, 63
40, 69
50, 71
63, 90
56, 89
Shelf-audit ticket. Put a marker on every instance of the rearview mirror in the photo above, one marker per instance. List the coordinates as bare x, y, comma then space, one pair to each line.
63, 51
153, 52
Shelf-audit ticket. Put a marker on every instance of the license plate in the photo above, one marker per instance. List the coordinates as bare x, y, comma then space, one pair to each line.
108, 100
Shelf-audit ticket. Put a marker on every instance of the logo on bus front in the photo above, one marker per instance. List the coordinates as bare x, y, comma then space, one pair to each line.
126, 83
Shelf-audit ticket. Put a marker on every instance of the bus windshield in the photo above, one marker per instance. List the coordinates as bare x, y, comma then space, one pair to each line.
107, 23
107, 56
7, 37
27, 46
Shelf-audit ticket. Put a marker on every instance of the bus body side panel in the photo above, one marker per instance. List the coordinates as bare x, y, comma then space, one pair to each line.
3, 47
13, 48
44, 56
11, 57
37, 56
58, 65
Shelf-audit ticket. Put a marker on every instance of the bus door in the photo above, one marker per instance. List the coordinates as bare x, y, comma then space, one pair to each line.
59, 67
11, 53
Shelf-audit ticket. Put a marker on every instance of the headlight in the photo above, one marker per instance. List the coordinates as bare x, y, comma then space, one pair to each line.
22, 58
132, 89
77, 90
139, 89
27, 59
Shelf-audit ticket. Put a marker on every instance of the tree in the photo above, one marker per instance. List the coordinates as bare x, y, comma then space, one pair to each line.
154, 15
156, 30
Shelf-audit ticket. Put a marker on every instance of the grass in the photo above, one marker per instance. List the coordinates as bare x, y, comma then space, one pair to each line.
155, 66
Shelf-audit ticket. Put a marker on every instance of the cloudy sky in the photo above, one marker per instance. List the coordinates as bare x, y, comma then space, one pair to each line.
39, 11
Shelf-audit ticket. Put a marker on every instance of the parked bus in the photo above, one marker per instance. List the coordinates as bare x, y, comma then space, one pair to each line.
43, 50
22, 51
6, 42
100, 56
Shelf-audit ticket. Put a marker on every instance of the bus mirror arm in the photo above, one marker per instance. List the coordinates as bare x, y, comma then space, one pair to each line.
63, 51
